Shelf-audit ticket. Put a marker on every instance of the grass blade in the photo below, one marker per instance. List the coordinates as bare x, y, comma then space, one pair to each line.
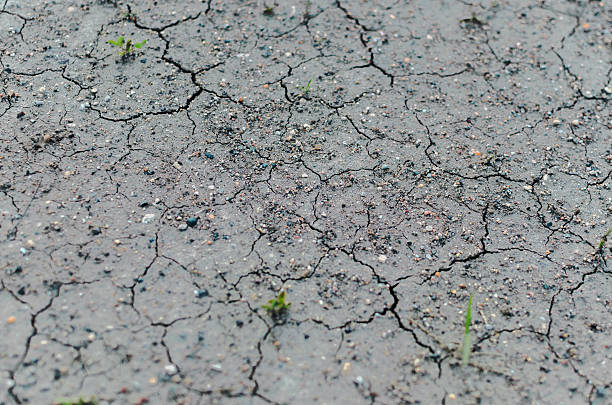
118, 42
466, 348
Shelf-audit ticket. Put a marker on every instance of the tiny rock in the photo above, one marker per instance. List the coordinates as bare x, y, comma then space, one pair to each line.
148, 218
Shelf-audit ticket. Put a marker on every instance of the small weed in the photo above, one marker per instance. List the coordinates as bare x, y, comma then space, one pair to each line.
305, 89
126, 48
268, 11
130, 17
277, 307
307, 15
473, 21
79, 401
466, 348
489, 159
602, 242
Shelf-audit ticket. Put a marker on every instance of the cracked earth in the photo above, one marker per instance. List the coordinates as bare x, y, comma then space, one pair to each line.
150, 205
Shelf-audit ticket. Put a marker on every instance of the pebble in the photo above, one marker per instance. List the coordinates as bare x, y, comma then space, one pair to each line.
148, 218
182, 227
11, 319
575, 123
608, 90
556, 122
170, 369
192, 221
382, 258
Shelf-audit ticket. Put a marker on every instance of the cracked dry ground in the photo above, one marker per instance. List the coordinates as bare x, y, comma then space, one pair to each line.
442, 149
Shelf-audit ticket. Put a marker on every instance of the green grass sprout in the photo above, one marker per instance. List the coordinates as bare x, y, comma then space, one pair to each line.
268, 11
126, 48
305, 89
277, 307
80, 401
603, 240
466, 348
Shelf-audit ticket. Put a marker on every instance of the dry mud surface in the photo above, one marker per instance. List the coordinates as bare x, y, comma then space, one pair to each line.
149, 206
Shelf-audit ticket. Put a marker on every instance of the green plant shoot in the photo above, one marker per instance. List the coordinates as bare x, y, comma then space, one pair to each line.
603, 240
117, 42
80, 401
126, 48
277, 306
466, 348
306, 89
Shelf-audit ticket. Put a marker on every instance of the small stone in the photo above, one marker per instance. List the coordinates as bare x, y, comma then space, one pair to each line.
152, 380
182, 227
201, 293
191, 222
575, 123
148, 218
608, 90
11, 319
452, 396
170, 369
556, 122
382, 258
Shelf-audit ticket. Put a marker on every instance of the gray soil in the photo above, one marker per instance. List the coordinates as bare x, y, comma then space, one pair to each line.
150, 205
